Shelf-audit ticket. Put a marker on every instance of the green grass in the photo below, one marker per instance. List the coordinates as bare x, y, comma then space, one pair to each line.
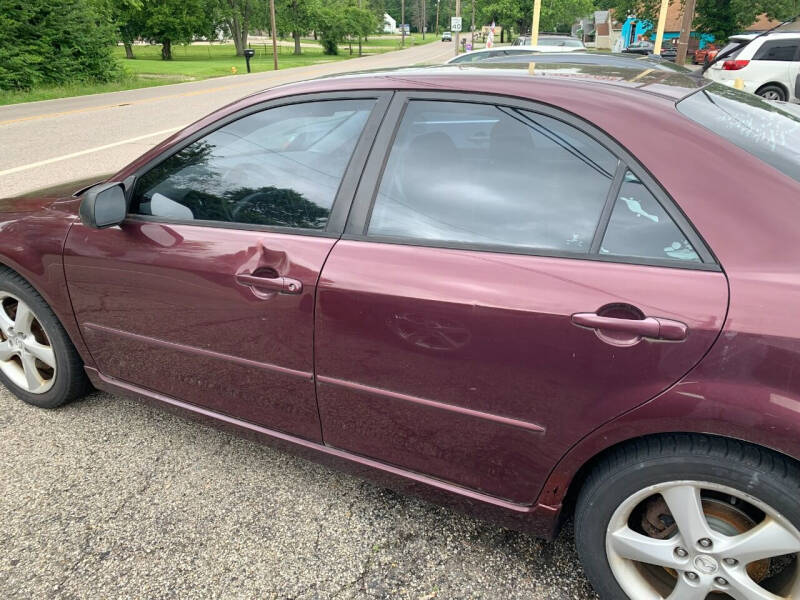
195, 62
79, 89
202, 62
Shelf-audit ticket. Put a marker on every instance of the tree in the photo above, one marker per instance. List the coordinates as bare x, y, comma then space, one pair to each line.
175, 21
51, 42
297, 17
332, 24
563, 13
359, 22
724, 18
237, 16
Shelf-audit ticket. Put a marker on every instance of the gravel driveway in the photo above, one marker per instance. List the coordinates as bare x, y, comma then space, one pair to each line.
109, 497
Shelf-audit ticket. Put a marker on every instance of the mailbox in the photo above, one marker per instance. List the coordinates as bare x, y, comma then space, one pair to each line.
248, 54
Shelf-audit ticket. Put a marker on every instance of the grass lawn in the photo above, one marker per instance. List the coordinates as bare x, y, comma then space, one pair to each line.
194, 62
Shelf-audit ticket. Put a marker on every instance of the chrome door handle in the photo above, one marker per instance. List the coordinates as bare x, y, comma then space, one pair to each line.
649, 327
282, 285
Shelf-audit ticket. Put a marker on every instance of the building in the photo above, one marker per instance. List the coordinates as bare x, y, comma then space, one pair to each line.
389, 24
634, 29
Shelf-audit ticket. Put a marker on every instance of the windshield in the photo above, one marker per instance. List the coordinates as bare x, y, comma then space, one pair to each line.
762, 128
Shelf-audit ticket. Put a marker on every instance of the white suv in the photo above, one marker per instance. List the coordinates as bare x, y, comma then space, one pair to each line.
769, 67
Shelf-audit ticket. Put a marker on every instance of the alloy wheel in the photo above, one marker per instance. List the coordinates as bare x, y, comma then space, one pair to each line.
771, 95
691, 540
26, 354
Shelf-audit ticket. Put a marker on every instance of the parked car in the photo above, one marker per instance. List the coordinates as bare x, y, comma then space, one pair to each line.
528, 302
646, 48
703, 56
603, 59
768, 67
491, 53
552, 43
447, 36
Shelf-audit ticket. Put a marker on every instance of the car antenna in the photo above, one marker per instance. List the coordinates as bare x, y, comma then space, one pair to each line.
720, 56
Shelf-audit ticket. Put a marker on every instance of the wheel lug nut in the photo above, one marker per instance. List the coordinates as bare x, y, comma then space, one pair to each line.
731, 562
681, 552
704, 543
691, 576
720, 581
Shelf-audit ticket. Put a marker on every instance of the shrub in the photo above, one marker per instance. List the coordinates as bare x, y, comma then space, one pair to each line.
53, 42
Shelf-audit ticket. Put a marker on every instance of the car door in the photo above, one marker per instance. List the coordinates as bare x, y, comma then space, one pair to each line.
509, 279
206, 292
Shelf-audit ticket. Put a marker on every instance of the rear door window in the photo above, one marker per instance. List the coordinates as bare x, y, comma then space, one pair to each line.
481, 174
780, 50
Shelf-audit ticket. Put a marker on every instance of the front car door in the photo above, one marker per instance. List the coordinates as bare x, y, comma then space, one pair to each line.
509, 279
206, 292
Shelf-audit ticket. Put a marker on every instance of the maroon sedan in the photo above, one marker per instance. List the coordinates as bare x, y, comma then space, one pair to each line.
513, 292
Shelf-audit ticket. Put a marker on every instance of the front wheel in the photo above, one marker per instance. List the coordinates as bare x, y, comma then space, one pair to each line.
690, 518
38, 362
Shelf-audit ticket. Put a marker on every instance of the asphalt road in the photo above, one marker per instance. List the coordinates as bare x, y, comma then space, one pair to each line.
109, 497
49, 142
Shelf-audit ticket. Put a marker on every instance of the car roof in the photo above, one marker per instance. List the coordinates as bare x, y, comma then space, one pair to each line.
510, 79
780, 35
592, 58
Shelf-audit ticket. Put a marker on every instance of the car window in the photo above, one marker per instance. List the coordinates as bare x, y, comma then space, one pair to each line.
483, 174
280, 167
640, 227
783, 50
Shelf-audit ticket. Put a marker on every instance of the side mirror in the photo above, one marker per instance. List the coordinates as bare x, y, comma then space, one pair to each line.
104, 205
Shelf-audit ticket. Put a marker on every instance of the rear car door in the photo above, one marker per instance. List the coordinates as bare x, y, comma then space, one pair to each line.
206, 292
775, 61
509, 279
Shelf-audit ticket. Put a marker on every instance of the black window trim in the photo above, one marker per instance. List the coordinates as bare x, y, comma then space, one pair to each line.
347, 186
366, 194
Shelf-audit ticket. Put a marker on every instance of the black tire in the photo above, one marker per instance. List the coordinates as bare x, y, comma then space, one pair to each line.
765, 475
772, 89
70, 381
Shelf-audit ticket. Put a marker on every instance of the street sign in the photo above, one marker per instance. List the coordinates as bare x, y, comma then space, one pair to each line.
455, 23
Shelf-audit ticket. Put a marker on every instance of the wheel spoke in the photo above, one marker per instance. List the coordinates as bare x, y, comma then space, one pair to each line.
766, 540
686, 508
686, 591
6, 322
635, 546
742, 587
6, 351
42, 352
32, 377
24, 318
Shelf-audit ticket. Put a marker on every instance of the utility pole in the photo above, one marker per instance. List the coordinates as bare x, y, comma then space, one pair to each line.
402, 23
437, 16
686, 31
662, 23
537, 11
424, 19
274, 36
360, 51
458, 33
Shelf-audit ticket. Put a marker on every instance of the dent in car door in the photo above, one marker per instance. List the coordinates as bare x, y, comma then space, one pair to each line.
206, 292
463, 361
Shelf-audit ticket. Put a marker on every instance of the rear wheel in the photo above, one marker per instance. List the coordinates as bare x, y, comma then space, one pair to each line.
38, 362
685, 517
772, 92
